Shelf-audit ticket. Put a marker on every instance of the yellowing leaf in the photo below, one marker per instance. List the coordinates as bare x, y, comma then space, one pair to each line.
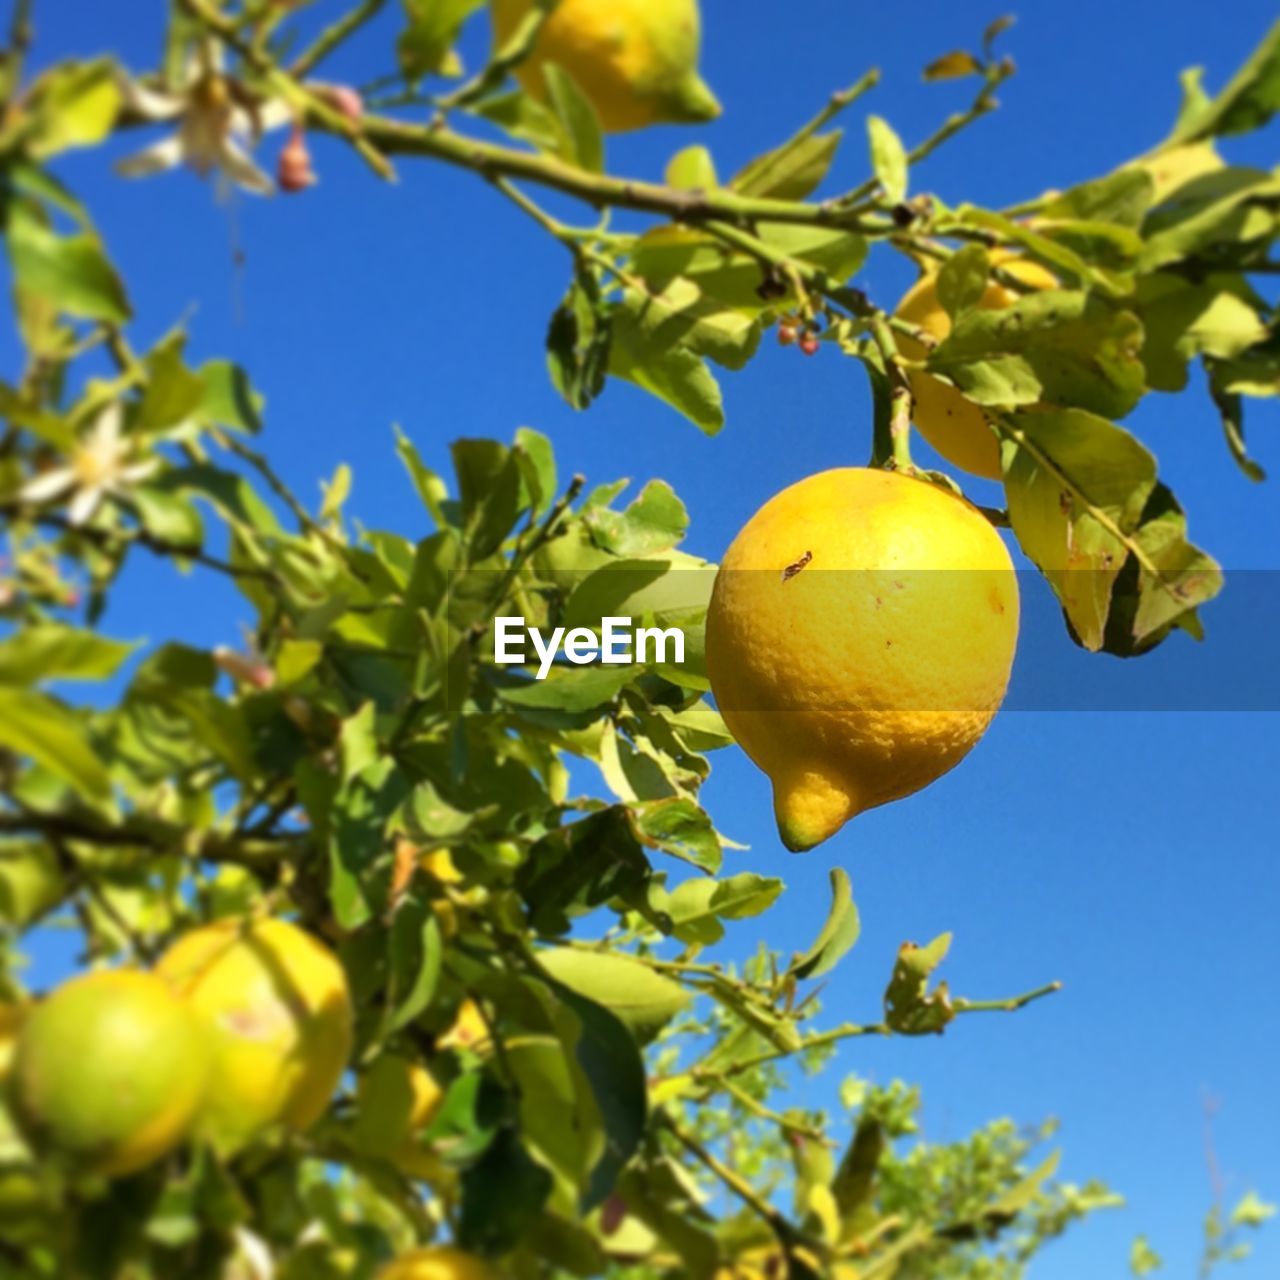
952, 66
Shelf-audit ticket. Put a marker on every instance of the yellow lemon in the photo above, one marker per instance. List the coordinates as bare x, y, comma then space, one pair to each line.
636, 60
12, 1016
763, 1262
438, 1262
957, 428
859, 640
108, 1071
276, 1002
395, 1100
469, 1030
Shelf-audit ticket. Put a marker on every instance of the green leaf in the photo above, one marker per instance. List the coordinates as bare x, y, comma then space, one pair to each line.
1041, 247
1064, 348
733, 278
1143, 1259
888, 159
1217, 316
1249, 100
172, 392
489, 490
168, 516
578, 340
838, 934
696, 907
1163, 582
537, 461
180, 680
570, 689
583, 140
655, 521
229, 398
295, 660
1221, 213
522, 117
962, 281
579, 866
35, 726
611, 1062
357, 839
415, 954
431, 488
1251, 1211
432, 26
792, 171
71, 272
31, 882
1083, 497
73, 105
231, 495
51, 651
1224, 381
641, 999
742, 896
682, 315
910, 1008
1122, 198
692, 169
678, 827
502, 1192
672, 373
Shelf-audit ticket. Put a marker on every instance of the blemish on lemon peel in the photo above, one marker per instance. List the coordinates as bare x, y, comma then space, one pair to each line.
792, 569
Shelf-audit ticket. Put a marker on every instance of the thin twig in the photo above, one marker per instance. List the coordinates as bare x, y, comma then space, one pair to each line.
138, 537
982, 104
333, 36
1013, 1003
900, 399
732, 1180
504, 61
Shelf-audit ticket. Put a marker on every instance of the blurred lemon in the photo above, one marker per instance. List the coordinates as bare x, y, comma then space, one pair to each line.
636, 60
108, 1071
276, 1003
955, 426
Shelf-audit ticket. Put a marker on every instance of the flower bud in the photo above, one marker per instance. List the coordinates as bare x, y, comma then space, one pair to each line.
293, 169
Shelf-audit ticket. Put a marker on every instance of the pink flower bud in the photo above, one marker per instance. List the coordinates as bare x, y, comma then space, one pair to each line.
346, 100
252, 671
293, 169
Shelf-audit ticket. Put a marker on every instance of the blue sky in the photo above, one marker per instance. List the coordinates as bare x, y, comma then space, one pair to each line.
1123, 852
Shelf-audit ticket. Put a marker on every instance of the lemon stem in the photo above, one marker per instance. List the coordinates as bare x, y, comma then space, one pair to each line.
900, 400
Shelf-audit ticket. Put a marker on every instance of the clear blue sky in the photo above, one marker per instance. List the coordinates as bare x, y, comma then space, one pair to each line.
1123, 852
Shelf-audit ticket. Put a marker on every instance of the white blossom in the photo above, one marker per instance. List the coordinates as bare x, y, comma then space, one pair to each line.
101, 464
215, 120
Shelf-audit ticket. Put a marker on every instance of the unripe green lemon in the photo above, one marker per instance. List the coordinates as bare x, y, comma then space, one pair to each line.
108, 1072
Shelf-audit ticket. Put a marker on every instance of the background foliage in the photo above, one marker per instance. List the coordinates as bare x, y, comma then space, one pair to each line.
366, 716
